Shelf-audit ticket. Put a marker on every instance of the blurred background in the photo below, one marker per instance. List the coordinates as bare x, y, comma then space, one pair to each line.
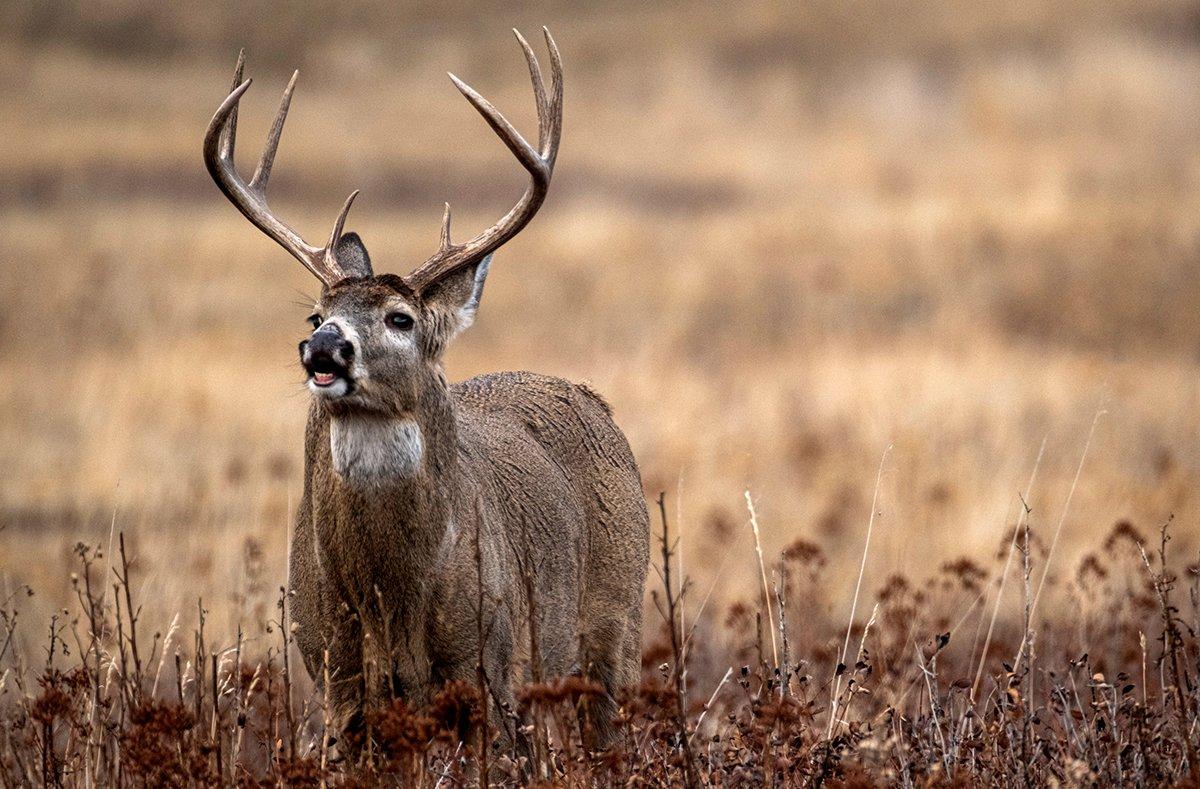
782, 238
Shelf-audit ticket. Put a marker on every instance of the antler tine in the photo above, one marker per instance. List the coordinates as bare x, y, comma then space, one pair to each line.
549, 144
504, 130
445, 229
262, 173
539, 86
229, 131
250, 198
328, 252
540, 164
222, 130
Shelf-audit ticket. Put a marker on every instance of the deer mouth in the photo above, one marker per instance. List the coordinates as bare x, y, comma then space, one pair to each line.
327, 376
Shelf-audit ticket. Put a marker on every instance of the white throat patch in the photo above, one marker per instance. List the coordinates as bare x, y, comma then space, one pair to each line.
373, 450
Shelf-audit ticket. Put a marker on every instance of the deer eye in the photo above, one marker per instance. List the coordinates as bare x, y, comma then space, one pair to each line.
399, 320
316, 321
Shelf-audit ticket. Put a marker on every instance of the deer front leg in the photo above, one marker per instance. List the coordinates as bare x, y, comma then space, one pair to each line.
327, 633
461, 663
341, 678
332, 651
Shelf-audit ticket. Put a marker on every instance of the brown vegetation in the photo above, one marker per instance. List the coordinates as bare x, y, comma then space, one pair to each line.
922, 692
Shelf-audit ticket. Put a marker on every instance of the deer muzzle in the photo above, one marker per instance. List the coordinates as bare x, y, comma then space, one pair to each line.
326, 357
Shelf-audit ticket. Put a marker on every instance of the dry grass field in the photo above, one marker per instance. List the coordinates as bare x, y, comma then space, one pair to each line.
798, 247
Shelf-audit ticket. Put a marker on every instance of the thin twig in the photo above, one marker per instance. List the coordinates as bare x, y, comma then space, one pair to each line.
862, 568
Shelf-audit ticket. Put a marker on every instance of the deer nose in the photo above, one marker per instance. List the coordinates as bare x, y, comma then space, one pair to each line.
327, 342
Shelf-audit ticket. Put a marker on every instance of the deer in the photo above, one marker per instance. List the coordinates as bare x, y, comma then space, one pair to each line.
447, 528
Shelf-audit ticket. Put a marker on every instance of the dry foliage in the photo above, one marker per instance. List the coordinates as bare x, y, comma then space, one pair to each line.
915, 694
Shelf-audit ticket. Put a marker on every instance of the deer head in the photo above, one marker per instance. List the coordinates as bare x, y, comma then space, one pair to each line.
378, 340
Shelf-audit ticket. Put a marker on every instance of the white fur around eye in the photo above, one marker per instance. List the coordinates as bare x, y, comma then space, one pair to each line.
398, 338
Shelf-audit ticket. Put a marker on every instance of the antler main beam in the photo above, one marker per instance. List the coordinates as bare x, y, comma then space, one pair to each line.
452, 257
251, 198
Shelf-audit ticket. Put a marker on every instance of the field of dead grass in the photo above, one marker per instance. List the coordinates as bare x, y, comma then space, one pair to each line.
783, 242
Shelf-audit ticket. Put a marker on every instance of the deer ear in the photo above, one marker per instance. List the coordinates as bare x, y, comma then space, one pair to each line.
352, 256
457, 295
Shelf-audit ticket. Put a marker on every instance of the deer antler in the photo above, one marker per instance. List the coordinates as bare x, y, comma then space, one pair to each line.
251, 198
540, 164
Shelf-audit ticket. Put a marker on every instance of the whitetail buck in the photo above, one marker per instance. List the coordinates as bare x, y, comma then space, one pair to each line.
406, 477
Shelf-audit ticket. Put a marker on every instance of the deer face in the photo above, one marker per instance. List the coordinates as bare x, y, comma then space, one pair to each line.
377, 345
377, 341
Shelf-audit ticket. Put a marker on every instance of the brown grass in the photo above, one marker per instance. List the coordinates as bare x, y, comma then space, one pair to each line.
1108, 696
779, 241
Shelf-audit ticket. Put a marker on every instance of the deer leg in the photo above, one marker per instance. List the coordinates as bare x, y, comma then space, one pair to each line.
343, 682
497, 655
328, 636
631, 657
603, 662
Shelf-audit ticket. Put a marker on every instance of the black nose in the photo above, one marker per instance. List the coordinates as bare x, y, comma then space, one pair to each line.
330, 343
326, 344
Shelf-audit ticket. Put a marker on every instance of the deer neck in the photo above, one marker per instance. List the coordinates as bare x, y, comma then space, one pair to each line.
402, 469
372, 451
389, 512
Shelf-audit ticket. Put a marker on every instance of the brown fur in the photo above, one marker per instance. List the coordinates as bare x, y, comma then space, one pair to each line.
384, 576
